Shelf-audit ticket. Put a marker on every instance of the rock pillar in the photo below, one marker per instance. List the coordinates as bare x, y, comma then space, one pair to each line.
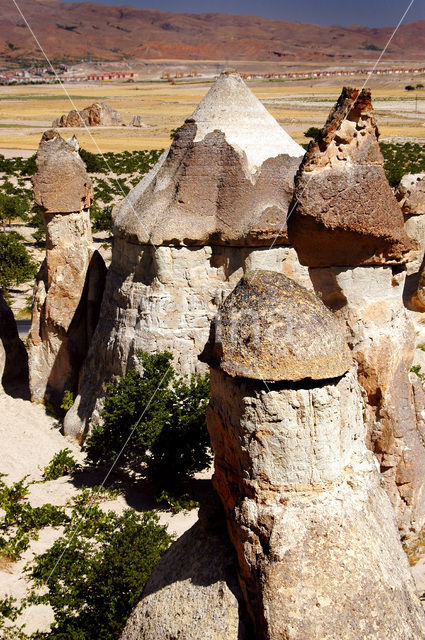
69, 285
347, 226
206, 213
319, 555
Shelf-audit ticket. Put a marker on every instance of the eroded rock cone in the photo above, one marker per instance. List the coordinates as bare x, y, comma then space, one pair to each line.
137, 121
344, 211
97, 114
69, 285
13, 355
318, 549
207, 212
193, 592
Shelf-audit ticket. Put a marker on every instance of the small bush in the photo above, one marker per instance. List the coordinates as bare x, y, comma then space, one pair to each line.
312, 132
16, 264
22, 522
101, 217
67, 400
101, 573
171, 442
93, 575
60, 465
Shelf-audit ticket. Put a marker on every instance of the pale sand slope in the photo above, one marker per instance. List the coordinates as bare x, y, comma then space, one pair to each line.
29, 439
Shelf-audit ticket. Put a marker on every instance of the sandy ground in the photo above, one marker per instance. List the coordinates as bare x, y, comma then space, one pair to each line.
29, 439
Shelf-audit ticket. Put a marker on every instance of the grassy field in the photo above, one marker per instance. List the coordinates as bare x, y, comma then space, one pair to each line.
26, 111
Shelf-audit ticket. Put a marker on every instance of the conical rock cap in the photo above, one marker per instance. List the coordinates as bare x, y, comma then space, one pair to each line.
226, 179
232, 108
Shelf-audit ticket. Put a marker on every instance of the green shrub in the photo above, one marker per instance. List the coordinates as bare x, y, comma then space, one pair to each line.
67, 400
93, 575
101, 573
400, 159
13, 206
16, 264
101, 217
171, 442
60, 465
312, 132
22, 522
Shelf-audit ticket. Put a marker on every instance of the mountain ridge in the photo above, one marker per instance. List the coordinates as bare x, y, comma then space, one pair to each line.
70, 31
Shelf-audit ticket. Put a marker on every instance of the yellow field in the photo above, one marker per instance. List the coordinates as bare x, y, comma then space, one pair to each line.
26, 111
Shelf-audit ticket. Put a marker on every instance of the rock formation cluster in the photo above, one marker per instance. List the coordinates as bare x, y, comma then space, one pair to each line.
95, 115
316, 546
70, 282
208, 211
347, 227
317, 430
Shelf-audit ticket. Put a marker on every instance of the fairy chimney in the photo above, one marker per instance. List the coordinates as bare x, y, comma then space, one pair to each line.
70, 282
347, 227
317, 550
208, 211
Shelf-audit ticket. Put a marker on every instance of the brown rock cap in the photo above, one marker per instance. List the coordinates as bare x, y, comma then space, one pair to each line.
227, 178
61, 184
344, 212
271, 328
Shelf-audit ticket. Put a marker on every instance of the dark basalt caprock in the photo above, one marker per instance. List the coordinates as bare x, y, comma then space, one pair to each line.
271, 328
344, 212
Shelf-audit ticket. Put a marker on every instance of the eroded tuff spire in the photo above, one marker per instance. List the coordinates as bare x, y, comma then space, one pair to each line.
69, 285
318, 549
344, 210
226, 179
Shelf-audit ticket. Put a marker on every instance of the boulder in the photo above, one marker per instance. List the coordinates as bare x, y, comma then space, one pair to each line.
61, 184
97, 114
267, 347
344, 211
193, 593
137, 121
69, 285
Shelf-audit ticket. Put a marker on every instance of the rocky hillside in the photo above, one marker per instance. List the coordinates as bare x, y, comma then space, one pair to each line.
68, 30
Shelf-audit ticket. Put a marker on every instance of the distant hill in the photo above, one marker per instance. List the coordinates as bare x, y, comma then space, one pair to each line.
68, 30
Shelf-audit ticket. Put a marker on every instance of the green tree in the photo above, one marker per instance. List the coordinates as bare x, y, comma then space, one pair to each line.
171, 442
312, 132
101, 573
16, 264
101, 217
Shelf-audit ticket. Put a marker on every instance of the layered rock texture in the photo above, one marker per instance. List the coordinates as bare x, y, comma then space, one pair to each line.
70, 282
317, 547
95, 115
347, 227
207, 212
13, 355
345, 211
